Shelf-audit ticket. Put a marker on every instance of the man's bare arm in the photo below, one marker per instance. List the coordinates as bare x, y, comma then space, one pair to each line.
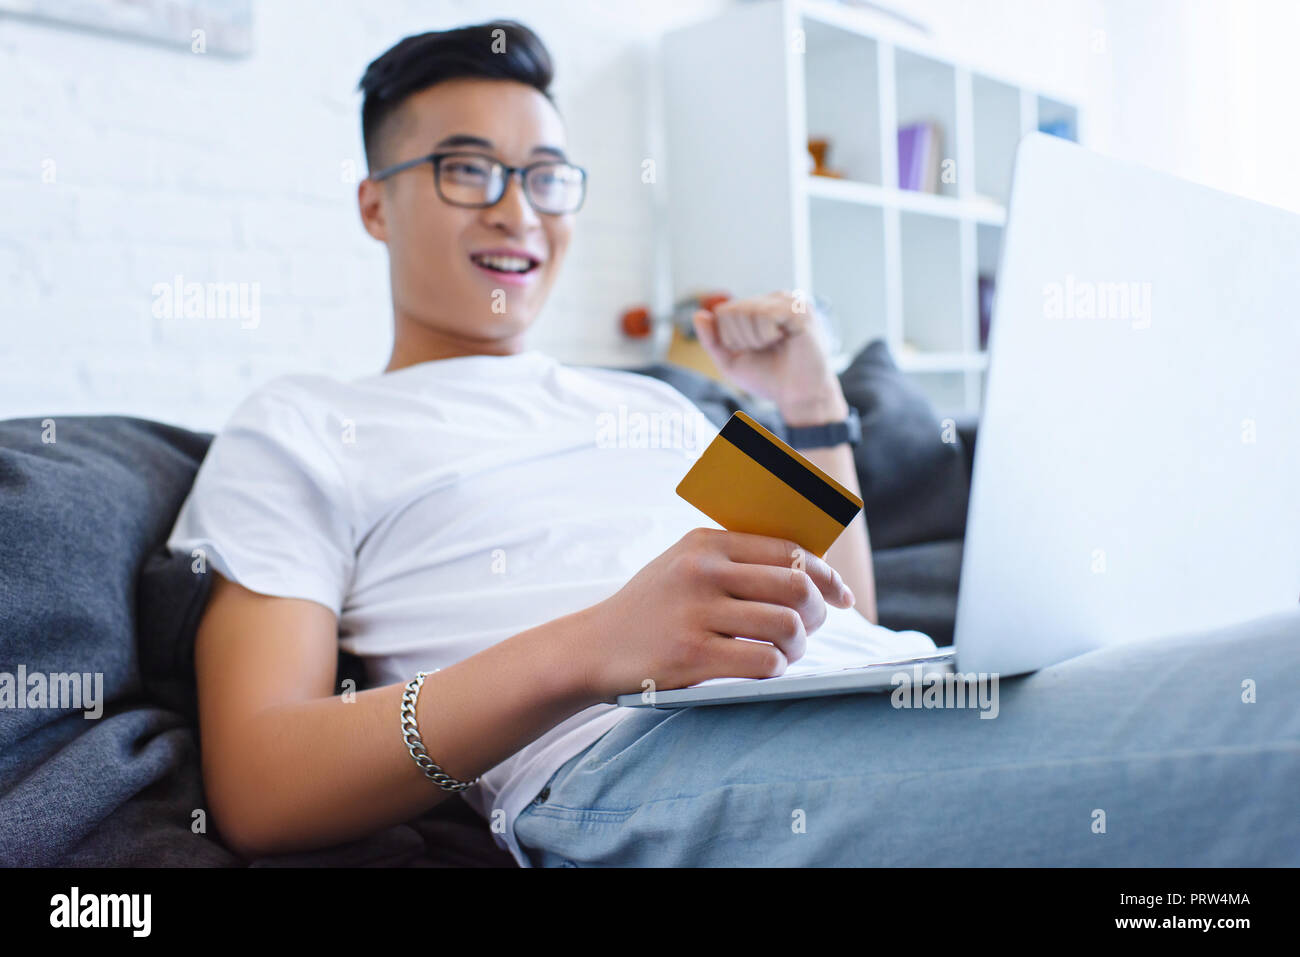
290, 765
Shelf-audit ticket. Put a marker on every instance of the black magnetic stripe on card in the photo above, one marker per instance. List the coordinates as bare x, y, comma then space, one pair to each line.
808, 484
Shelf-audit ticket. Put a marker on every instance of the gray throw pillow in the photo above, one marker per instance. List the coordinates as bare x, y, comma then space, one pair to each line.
915, 486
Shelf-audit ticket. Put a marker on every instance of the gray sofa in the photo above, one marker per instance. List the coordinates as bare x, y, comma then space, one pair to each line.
86, 586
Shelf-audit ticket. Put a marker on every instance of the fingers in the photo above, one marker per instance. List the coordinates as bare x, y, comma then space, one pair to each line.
744, 326
758, 322
731, 658
753, 602
769, 330
765, 550
777, 587
706, 328
735, 331
794, 324
777, 624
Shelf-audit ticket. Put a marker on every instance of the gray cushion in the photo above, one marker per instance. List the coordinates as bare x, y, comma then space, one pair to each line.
79, 516
916, 587
915, 486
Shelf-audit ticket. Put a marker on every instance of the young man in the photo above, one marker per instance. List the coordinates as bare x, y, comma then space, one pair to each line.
455, 514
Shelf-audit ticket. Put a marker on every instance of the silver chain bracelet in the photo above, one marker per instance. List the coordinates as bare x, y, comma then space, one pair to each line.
411, 736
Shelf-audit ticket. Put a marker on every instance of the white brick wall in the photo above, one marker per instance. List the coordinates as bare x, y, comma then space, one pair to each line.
232, 170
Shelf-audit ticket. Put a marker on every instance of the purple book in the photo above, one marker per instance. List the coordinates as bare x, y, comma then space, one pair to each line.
986, 308
916, 146
908, 143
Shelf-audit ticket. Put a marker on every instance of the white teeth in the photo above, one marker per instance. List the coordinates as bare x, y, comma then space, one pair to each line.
505, 263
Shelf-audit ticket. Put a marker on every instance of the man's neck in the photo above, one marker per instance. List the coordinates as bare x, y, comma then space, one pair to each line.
414, 343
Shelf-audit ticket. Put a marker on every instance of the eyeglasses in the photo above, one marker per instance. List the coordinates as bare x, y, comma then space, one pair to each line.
475, 181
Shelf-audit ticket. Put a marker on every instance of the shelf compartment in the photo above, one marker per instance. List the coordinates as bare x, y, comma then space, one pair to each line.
1059, 119
988, 252
975, 384
848, 269
841, 99
997, 132
930, 253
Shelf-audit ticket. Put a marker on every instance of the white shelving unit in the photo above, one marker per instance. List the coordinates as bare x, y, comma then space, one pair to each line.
745, 91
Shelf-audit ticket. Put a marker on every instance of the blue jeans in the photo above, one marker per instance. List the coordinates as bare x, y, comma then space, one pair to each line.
1145, 754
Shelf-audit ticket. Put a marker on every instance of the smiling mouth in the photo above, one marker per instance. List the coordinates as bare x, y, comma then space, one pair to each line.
508, 265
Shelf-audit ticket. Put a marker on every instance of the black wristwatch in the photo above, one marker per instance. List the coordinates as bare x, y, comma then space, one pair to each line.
827, 435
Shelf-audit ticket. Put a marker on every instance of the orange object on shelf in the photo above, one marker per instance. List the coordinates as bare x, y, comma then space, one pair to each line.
684, 349
819, 148
635, 322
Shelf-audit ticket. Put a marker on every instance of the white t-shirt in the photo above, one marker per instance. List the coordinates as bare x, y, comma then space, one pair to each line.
445, 506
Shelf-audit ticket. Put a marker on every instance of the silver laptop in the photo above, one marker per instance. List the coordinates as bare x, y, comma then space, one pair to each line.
1138, 459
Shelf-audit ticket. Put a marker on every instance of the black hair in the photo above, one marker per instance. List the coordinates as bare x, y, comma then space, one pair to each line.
499, 49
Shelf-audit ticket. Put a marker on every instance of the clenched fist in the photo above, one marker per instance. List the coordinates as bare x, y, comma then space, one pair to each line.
771, 346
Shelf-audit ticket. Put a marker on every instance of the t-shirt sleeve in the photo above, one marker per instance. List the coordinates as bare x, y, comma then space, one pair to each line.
269, 508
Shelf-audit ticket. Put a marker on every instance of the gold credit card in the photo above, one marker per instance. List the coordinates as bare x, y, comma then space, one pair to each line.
748, 480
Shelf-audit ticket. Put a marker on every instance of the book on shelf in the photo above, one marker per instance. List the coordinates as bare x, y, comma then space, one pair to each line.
919, 149
1062, 128
986, 307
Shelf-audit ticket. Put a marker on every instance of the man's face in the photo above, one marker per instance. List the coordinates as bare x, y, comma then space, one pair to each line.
441, 285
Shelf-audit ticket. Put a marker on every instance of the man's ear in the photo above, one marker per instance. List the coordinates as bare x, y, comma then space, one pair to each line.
370, 203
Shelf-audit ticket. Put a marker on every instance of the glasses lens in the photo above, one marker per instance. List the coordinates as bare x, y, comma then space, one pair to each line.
555, 187
469, 180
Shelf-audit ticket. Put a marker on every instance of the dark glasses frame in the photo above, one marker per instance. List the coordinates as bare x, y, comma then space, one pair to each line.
509, 171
